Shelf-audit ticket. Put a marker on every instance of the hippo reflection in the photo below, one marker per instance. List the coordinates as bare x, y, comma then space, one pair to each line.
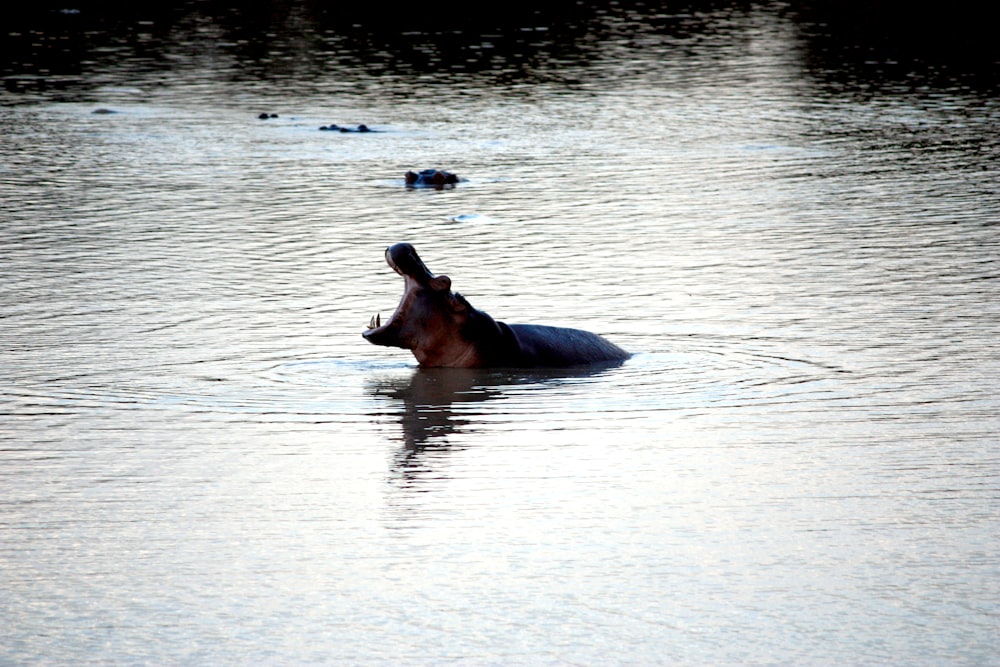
435, 406
442, 328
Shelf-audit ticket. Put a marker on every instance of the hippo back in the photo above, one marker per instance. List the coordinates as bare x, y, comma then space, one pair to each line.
542, 345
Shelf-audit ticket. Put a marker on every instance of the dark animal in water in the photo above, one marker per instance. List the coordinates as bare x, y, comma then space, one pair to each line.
434, 178
442, 328
332, 127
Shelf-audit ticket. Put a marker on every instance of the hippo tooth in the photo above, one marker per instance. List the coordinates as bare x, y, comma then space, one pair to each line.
378, 320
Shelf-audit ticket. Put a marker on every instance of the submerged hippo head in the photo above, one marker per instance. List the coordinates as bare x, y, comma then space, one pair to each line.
435, 178
430, 320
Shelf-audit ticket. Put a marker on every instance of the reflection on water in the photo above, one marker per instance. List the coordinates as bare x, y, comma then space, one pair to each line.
435, 403
427, 416
793, 226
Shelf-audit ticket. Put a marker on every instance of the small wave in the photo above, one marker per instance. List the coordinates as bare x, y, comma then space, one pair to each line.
475, 218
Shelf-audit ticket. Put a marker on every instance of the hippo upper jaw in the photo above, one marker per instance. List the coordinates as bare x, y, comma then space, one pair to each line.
404, 260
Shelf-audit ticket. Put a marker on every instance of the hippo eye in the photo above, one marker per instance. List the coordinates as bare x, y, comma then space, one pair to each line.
458, 303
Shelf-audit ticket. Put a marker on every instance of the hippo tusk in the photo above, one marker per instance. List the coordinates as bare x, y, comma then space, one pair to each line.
375, 322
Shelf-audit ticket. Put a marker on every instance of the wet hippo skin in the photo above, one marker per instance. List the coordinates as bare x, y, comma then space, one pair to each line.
442, 328
435, 178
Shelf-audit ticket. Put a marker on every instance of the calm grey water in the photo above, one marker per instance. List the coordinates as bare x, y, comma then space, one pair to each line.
202, 461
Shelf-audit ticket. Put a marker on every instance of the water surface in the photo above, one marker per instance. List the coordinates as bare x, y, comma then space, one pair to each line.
203, 461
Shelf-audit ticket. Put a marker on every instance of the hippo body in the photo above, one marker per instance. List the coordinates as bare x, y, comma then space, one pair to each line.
557, 347
442, 328
430, 178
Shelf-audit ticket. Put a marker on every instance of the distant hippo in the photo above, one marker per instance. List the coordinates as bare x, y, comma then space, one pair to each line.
442, 328
432, 178
333, 127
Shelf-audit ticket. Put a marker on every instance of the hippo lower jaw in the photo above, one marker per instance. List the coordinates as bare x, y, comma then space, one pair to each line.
383, 334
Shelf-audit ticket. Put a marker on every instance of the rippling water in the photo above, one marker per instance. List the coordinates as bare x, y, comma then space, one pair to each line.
204, 463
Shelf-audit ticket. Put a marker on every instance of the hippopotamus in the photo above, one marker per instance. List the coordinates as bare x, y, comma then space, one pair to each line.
435, 178
333, 127
442, 328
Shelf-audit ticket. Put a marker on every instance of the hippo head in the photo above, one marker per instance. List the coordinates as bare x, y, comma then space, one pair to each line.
430, 319
431, 177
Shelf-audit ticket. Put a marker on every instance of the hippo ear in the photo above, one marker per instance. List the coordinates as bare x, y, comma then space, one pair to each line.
440, 283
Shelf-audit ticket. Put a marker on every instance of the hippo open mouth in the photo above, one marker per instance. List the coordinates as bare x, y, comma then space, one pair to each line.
404, 260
